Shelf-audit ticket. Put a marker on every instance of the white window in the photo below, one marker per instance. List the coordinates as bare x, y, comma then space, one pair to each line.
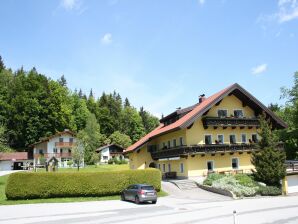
232, 139
220, 139
238, 113
70, 139
169, 167
159, 166
55, 150
208, 139
174, 143
163, 167
181, 168
169, 144
243, 138
222, 113
60, 139
163, 145
235, 163
210, 165
181, 141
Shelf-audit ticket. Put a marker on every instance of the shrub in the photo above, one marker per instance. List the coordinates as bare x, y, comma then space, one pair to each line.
269, 191
49, 185
231, 184
245, 180
212, 177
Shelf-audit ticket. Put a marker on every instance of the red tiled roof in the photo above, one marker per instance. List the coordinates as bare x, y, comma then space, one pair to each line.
13, 156
198, 111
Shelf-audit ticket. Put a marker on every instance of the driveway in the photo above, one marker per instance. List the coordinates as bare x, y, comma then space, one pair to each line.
168, 210
196, 194
3, 173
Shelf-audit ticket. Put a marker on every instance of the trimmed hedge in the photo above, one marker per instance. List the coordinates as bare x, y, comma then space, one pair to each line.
25, 185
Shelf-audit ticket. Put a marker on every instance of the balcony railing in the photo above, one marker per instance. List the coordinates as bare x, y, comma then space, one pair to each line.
56, 155
183, 151
230, 122
64, 144
201, 149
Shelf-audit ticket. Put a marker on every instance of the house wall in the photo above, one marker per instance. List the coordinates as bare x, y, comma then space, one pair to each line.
51, 143
105, 152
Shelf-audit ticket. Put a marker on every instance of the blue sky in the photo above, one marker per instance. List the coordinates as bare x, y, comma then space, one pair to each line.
159, 54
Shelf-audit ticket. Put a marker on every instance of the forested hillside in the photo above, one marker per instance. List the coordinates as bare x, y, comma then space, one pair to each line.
33, 105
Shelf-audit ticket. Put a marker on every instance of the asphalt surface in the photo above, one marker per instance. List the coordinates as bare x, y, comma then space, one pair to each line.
170, 209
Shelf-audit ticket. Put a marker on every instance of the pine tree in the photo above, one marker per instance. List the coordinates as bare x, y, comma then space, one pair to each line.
2, 66
62, 81
126, 102
268, 160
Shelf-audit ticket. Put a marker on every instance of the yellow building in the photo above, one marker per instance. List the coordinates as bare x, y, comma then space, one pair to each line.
217, 134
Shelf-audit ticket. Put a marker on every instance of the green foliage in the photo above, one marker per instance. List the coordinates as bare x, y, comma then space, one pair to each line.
3, 140
269, 164
94, 158
50, 185
117, 161
120, 139
90, 138
212, 177
245, 180
269, 161
149, 121
269, 191
78, 153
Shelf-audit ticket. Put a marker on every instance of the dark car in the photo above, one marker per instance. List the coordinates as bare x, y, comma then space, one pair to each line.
139, 193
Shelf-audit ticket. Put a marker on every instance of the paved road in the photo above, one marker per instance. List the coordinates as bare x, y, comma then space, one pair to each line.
3, 173
276, 210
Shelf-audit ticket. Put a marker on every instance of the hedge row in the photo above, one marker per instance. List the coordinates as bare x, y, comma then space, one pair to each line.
49, 185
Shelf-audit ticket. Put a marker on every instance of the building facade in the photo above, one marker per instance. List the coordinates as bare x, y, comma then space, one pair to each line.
111, 151
217, 134
14, 161
58, 146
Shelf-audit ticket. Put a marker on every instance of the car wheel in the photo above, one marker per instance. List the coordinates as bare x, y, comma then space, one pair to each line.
122, 197
154, 202
137, 200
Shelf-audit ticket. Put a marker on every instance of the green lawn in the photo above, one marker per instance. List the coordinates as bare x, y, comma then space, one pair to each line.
99, 168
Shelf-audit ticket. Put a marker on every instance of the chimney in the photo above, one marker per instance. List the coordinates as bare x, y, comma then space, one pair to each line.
201, 98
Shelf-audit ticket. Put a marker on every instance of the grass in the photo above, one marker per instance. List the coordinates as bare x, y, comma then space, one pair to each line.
100, 168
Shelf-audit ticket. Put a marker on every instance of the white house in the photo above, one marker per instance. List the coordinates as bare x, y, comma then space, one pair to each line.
58, 145
110, 151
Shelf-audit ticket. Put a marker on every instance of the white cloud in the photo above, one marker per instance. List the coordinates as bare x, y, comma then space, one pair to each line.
106, 39
69, 4
259, 69
288, 10
201, 2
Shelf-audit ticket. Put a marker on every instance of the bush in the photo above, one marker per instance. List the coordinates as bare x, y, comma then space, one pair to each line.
212, 177
49, 185
245, 180
231, 184
269, 191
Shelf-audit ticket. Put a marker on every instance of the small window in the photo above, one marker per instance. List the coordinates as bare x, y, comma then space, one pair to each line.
222, 113
181, 168
60, 139
181, 141
163, 167
71, 140
169, 167
210, 166
238, 113
164, 145
235, 163
243, 138
169, 144
254, 138
105, 157
159, 166
174, 143
220, 139
69, 150
208, 140
232, 139
40, 151
55, 150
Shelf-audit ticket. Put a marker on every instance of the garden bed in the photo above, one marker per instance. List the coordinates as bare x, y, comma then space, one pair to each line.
238, 186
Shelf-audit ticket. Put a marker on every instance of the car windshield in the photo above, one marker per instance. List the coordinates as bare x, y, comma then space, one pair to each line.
147, 188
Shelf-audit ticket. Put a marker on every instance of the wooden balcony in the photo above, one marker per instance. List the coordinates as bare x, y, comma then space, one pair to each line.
64, 144
184, 151
56, 155
230, 122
